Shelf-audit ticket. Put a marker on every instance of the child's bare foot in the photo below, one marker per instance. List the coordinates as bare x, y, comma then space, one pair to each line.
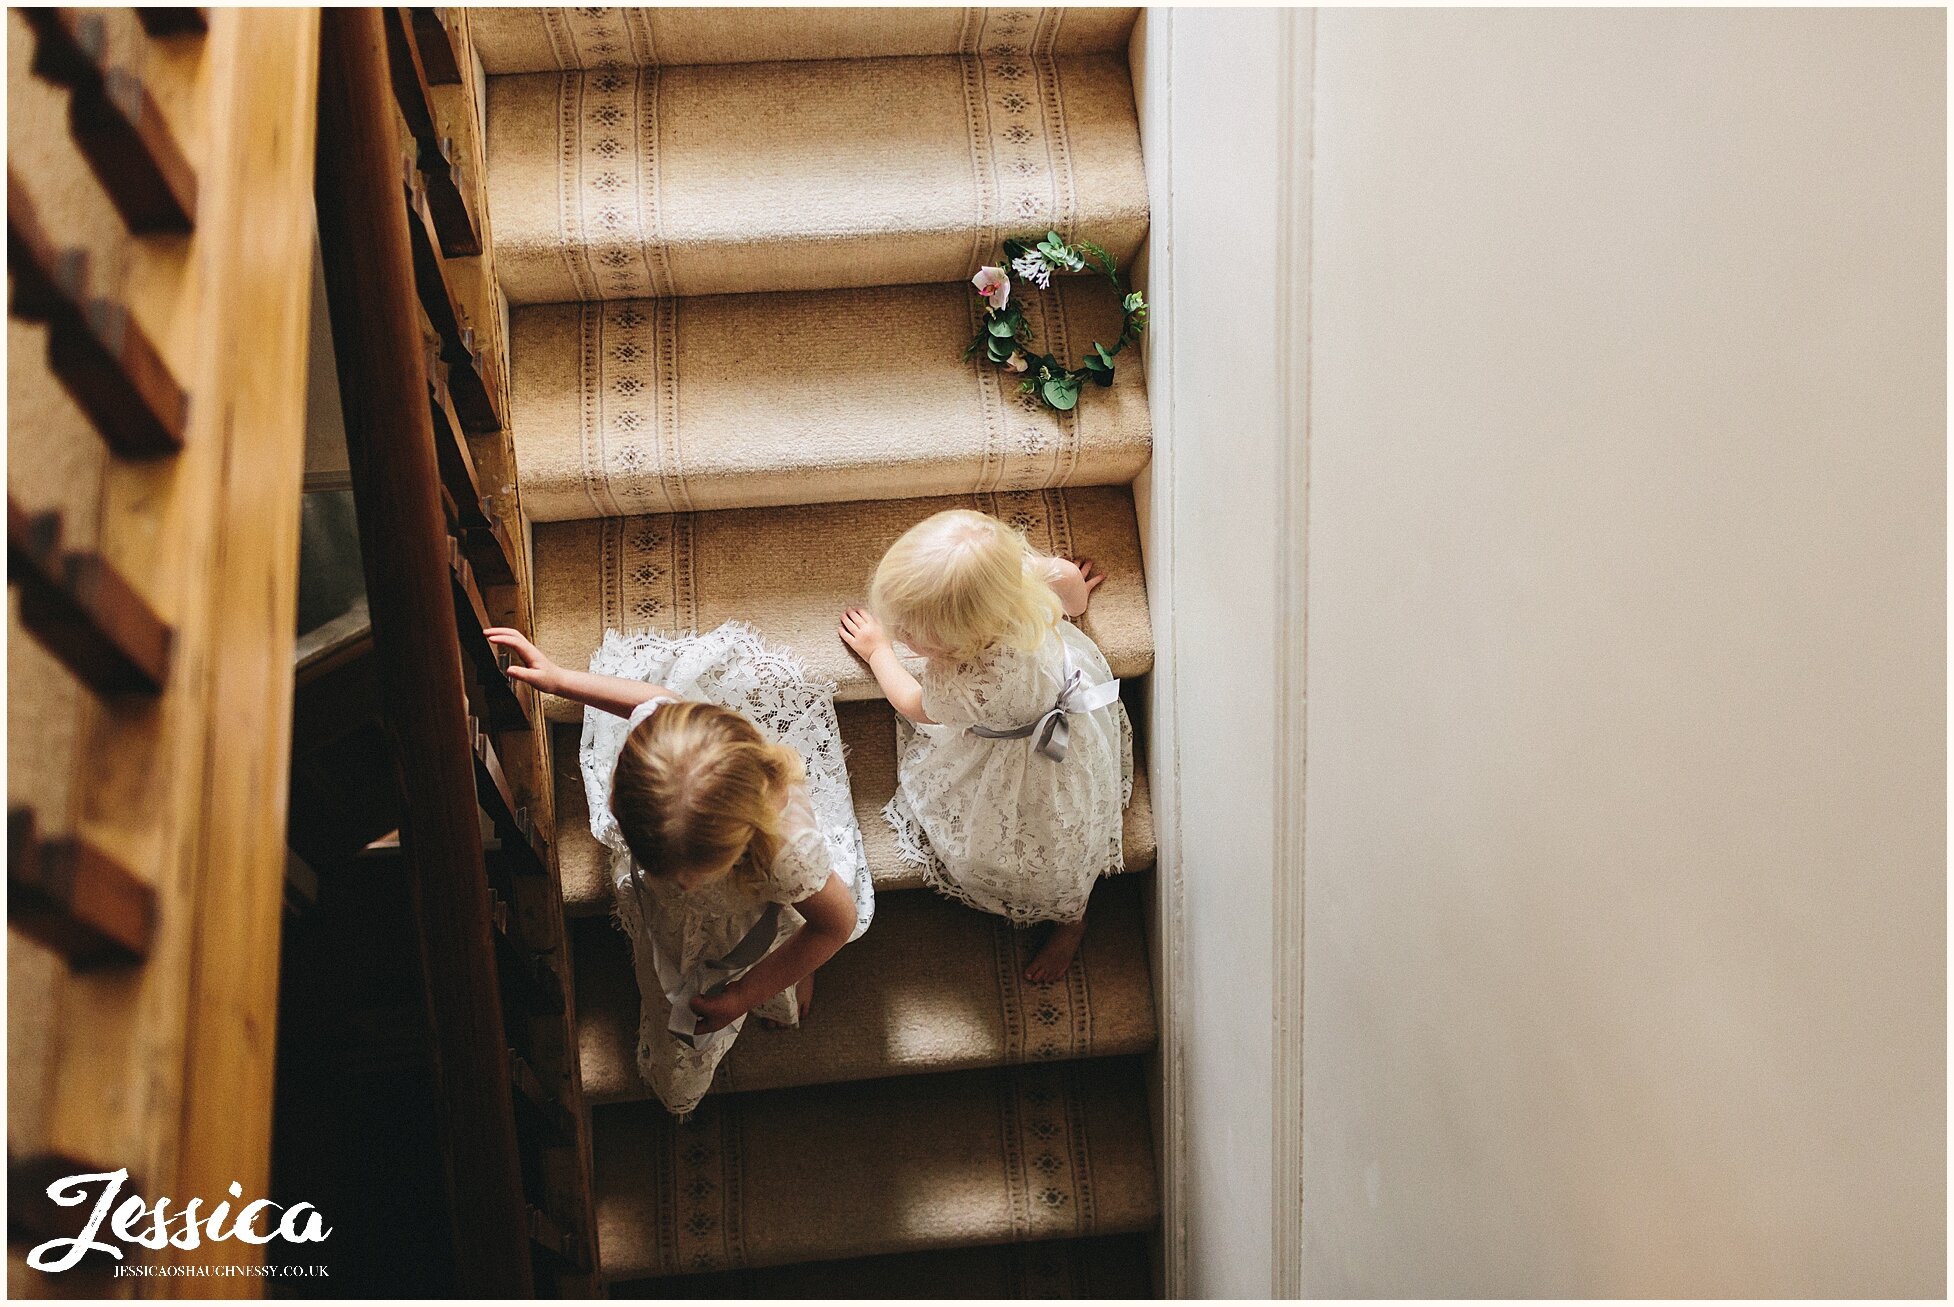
1055, 958
804, 995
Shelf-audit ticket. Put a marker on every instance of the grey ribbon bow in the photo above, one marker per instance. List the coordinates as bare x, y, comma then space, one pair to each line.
1052, 734
711, 976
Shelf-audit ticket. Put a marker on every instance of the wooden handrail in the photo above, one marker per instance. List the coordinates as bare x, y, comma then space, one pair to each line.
390, 445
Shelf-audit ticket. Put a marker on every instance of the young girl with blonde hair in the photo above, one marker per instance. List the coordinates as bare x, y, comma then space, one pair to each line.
1014, 755
735, 860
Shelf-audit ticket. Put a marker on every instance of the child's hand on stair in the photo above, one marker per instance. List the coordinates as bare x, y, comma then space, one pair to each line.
535, 668
862, 633
1074, 580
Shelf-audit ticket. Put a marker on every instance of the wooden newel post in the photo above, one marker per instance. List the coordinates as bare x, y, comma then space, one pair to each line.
390, 446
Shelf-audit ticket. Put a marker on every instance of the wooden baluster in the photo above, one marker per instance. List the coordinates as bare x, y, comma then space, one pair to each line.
436, 46
166, 20
450, 212
76, 899
475, 395
83, 611
104, 360
116, 123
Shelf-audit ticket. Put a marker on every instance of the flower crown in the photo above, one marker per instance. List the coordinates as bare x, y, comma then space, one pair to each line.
1005, 335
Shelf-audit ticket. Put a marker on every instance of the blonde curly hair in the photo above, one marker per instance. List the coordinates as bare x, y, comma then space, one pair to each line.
961, 581
697, 793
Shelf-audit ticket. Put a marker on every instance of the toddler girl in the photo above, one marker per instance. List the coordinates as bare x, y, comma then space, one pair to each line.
737, 867
1014, 756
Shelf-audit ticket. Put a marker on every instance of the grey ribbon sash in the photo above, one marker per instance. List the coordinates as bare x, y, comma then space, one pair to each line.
712, 974
1052, 734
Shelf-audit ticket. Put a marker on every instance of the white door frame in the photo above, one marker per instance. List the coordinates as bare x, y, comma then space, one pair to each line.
1224, 98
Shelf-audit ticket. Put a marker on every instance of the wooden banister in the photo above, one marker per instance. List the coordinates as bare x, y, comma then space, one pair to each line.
371, 287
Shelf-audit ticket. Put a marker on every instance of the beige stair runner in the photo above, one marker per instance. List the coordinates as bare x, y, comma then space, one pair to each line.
740, 401
962, 1002
868, 734
621, 183
852, 1170
790, 572
738, 244
552, 40
1106, 1267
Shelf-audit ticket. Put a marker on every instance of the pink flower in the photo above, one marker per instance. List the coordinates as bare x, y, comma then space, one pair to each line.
993, 284
1017, 362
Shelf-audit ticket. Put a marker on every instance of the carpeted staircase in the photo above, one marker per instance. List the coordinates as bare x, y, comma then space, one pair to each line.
741, 301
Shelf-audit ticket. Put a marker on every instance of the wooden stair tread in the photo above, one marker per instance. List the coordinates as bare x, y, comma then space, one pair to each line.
868, 733
933, 986
962, 1160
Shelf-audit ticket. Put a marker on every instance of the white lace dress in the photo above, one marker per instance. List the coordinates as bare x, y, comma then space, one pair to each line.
995, 822
684, 943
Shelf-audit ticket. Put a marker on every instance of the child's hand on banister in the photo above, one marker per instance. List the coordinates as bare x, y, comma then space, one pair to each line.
535, 668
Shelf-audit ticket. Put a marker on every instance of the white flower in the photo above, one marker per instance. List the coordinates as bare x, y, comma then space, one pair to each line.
1017, 362
993, 285
1031, 265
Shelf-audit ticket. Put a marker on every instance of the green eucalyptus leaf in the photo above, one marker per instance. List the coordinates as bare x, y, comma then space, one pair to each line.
1003, 327
1062, 395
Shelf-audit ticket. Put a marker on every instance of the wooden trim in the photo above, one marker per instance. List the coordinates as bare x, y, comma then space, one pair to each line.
1150, 58
370, 276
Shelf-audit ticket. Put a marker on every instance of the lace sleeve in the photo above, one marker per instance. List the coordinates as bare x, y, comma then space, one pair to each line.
949, 693
803, 864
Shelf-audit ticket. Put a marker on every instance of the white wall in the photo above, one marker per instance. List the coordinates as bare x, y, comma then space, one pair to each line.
1626, 901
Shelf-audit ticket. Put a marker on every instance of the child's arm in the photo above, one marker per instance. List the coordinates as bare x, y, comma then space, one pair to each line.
1074, 580
613, 694
862, 633
830, 913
